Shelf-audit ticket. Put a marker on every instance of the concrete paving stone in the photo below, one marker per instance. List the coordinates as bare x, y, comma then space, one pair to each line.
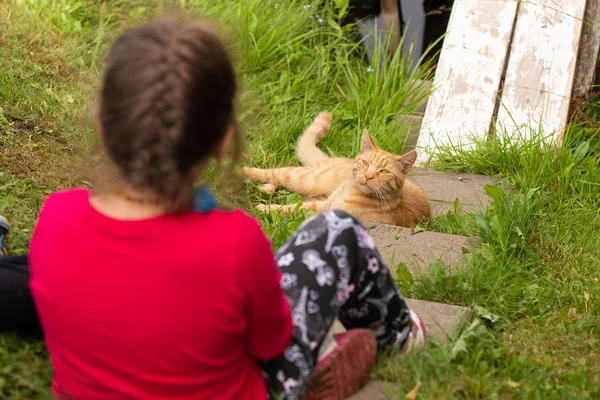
377, 390
418, 250
441, 320
409, 127
444, 188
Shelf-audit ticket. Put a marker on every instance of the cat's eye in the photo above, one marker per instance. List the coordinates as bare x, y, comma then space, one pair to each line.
365, 163
384, 171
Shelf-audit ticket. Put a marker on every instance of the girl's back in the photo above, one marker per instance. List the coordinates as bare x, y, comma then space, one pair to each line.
154, 308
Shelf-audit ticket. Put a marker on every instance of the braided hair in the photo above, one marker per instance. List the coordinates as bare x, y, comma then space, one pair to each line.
167, 102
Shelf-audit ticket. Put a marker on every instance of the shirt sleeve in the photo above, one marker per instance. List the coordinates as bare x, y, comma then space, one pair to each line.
268, 312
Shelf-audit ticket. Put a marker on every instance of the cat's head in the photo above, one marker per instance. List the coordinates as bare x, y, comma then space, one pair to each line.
378, 172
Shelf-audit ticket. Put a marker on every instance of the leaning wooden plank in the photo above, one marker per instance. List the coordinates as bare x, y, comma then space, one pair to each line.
589, 49
540, 72
468, 76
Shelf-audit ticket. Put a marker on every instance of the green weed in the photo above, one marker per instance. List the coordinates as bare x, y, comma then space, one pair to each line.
533, 283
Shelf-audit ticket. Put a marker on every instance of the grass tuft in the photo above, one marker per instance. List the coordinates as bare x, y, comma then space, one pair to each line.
533, 283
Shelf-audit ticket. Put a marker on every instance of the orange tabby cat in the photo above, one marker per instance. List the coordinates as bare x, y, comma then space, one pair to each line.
373, 187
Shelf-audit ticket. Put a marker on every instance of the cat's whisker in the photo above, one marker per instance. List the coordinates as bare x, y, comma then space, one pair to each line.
387, 198
381, 195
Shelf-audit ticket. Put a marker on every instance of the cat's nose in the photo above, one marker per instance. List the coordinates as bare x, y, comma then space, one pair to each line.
368, 177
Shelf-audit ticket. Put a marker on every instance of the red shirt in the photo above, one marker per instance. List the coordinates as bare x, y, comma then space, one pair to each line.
179, 306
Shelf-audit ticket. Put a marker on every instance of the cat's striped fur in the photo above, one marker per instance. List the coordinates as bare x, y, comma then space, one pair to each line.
373, 187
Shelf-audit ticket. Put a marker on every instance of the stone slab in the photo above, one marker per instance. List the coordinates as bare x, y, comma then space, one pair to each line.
418, 250
411, 118
444, 188
377, 390
441, 320
409, 127
418, 97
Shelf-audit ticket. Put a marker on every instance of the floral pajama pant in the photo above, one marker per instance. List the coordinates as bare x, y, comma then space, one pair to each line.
331, 268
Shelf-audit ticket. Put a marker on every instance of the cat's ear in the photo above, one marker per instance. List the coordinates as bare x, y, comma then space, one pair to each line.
367, 143
407, 161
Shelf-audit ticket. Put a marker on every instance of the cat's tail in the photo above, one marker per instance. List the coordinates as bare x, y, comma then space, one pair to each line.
307, 151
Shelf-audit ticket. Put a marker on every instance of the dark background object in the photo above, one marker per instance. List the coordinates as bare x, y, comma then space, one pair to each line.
437, 15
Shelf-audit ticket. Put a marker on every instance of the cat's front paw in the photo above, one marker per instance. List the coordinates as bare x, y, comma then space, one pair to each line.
268, 188
270, 208
247, 171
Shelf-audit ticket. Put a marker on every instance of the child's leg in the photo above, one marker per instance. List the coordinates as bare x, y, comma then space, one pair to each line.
331, 267
17, 309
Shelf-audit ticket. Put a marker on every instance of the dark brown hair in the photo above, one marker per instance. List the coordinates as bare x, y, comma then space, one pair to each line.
167, 101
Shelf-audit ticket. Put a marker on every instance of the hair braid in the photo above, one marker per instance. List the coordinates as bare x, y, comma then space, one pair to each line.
167, 102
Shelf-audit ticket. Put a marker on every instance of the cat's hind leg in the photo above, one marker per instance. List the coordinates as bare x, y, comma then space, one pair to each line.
294, 179
316, 206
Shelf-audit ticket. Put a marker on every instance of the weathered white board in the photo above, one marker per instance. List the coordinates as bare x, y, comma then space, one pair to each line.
540, 71
589, 50
468, 75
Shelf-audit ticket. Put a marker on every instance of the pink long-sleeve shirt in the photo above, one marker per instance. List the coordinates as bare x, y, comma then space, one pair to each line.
179, 306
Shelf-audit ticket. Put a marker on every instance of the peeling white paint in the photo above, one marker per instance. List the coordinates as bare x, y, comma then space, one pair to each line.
541, 69
468, 75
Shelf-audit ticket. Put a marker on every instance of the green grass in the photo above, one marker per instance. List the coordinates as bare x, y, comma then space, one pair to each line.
536, 273
534, 283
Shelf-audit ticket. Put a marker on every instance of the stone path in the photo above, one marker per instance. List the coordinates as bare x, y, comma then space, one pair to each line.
445, 187
378, 390
441, 320
417, 251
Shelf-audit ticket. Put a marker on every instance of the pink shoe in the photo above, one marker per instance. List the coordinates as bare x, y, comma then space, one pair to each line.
417, 337
346, 369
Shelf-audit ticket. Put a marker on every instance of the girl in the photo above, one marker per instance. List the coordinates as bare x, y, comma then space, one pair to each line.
150, 292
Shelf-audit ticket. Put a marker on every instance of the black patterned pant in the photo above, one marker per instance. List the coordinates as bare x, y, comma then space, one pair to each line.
17, 309
331, 269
